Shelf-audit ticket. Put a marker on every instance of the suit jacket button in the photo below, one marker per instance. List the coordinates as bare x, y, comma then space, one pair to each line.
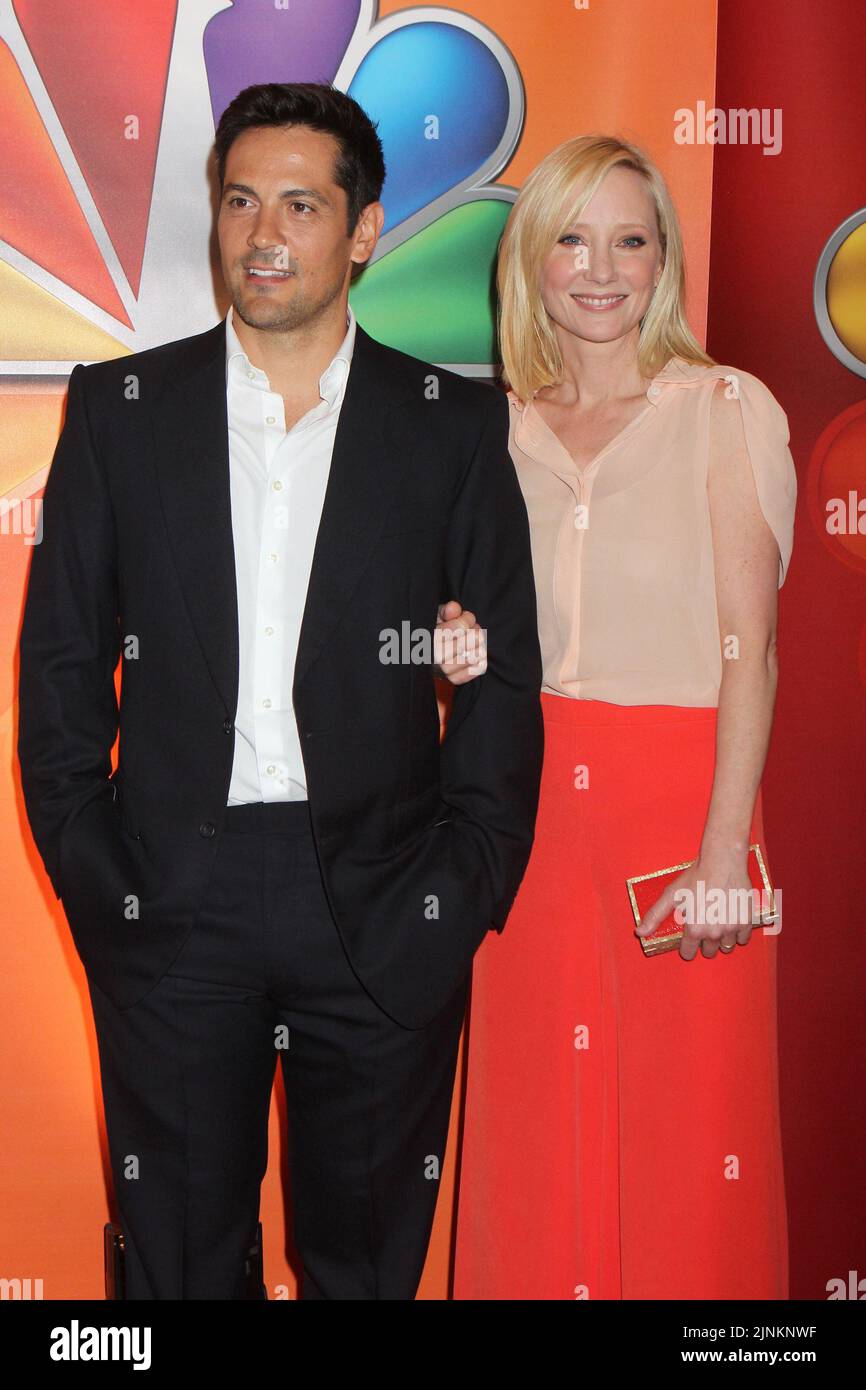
227, 726
207, 829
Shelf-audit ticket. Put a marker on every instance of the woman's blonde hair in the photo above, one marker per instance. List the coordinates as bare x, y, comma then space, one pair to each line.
548, 204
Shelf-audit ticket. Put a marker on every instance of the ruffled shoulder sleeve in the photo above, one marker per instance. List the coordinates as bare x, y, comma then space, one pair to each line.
765, 426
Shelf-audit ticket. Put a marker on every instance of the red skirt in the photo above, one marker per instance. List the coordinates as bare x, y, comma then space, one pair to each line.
621, 1133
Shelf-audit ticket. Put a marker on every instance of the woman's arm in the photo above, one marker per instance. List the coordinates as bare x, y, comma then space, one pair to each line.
746, 562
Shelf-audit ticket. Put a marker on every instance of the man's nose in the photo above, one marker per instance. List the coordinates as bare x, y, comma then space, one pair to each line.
266, 231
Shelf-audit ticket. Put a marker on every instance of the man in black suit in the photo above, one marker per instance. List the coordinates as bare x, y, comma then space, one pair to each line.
286, 861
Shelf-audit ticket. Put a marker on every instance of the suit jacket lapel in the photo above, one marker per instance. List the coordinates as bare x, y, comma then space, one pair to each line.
190, 425
191, 455
359, 487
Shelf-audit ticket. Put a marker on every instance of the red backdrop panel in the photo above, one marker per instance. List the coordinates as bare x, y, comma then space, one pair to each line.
772, 215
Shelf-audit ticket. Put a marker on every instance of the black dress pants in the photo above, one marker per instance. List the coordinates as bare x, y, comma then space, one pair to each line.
187, 1075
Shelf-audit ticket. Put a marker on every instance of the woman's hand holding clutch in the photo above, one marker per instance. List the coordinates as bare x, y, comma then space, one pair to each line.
713, 900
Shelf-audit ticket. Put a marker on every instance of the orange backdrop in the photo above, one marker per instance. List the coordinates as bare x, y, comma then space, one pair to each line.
624, 67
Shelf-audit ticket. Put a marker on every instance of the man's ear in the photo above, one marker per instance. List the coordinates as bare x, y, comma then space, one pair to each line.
367, 232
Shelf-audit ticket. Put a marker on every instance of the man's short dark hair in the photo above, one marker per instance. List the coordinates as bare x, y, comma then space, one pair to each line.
360, 166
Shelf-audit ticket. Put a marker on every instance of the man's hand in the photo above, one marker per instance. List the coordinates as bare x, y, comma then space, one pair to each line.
459, 644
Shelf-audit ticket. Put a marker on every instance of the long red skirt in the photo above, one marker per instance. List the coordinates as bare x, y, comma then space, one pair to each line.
621, 1133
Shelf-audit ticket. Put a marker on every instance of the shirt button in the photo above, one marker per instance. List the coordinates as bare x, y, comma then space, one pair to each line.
271, 420
266, 704
272, 557
277, 485
270, 769
269, 632
655, 390
206, 829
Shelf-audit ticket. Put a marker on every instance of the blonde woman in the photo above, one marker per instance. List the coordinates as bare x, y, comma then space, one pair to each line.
621, 1134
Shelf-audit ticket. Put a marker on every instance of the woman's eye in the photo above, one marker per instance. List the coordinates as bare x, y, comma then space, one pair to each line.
571, 237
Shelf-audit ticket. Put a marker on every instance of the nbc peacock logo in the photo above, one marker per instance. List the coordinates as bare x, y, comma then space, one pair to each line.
836, 488
107, 210
107, 241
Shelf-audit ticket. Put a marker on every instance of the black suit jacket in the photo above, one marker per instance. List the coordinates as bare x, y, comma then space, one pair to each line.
422, 847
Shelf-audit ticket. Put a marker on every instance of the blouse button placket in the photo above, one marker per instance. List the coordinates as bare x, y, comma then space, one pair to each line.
580, 526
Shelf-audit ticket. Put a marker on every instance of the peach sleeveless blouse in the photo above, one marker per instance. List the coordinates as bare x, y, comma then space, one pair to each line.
622, 550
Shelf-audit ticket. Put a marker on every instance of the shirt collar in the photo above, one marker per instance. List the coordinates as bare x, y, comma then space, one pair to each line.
533, 435
678, 372
333, 377
674, 372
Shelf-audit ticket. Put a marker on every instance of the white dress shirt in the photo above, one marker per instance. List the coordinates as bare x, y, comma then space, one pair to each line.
278, 483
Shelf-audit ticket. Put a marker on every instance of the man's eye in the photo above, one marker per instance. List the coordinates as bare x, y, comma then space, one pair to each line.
237, 199
306, 206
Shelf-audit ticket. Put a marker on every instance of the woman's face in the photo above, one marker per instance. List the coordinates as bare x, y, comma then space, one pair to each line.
598, 279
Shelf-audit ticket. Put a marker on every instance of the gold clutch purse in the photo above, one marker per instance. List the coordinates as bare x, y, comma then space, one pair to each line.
645, 889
